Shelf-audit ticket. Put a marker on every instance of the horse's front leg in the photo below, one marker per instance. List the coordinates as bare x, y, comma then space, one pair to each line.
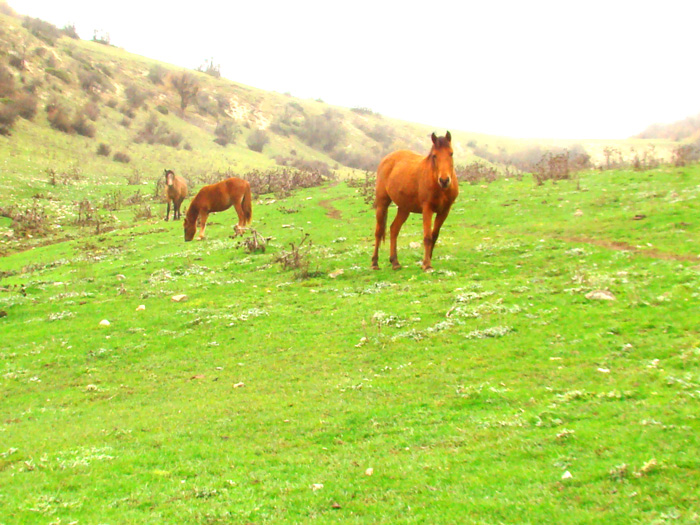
427, 238
439, 221
167, 213
203, 216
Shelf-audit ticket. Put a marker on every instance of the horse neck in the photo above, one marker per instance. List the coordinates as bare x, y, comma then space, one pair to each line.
192, 211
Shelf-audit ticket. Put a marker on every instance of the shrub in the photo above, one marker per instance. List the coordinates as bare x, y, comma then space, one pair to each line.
157, 132
135, 96
70, 32
59, 118
45, 31
26, 104
210, 68
104, 149
7, 82
187, 86
257, 139
120, 156
27, 222
64, 76
91, 111
112, 103
157, 74
8, 116
324, 131
162, 110
94, 82
226, 132
82, 126
18, 60
362, 111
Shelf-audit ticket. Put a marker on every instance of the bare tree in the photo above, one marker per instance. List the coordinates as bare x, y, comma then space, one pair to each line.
187, 87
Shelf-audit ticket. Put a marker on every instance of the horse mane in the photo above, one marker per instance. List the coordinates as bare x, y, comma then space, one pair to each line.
192, 211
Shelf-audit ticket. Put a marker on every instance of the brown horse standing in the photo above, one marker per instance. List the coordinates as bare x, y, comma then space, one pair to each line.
175, 192
219, 197
417, 184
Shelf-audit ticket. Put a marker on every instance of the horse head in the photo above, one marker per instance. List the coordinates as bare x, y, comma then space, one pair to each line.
190, 225
441, 158
169, 177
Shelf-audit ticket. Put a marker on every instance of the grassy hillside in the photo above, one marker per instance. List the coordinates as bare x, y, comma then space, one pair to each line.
495, 389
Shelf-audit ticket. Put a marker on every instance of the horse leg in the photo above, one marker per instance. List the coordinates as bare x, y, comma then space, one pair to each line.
239, 228
401, 216
203, 215
380, 229
427, 237
176, 210
439, 220
167, 213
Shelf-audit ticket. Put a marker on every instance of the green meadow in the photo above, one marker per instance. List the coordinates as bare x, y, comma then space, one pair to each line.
496, 389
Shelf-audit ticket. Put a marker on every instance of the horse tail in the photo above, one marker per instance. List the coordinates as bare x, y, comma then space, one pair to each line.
247, 205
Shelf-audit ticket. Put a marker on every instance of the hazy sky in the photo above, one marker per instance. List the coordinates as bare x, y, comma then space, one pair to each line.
593, 69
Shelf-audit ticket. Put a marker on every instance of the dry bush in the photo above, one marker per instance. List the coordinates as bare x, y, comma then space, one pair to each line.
27, 222
104, 149
59, 118
136, 198
155, 131
476, 172
121, 156
366, 186
143, 212
282, 181
26, 104
8, 116
44, 31
81, 125
361, 160
323, 131
305, 164
187, 86
254, 243
226, 132
210, 68
113, 201
257, 140
135, 179
296, 258
684, 154
157, 74
7, 82
91, 111
136, 96
94, 82
63, 76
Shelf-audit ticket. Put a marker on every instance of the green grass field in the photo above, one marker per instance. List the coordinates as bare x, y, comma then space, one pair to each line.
489, 391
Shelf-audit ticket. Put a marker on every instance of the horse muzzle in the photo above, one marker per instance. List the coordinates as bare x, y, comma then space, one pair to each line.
444, 183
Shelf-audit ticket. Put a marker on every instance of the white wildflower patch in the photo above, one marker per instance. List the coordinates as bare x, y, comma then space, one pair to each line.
57, 316
491, 332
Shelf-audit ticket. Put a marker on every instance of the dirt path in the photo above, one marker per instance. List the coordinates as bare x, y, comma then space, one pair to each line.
331, 211
625, 247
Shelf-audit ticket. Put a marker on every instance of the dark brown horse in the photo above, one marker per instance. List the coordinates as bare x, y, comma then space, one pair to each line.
219, 197
417, 184
175, 192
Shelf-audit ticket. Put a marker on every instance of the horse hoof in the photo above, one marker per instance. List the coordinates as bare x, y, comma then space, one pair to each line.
396, 266
428, 269
374, 267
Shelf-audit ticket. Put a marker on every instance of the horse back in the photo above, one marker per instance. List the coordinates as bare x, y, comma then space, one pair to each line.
398, 177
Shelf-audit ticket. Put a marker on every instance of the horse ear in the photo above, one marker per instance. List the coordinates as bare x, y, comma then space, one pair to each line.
434, 137
448, 136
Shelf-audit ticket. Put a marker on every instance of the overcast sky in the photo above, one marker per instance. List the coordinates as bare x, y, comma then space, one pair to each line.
593, 69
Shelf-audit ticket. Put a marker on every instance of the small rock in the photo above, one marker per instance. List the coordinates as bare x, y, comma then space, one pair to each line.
578, 213
316, 486
414, 245
566, 475
140, 307
601, 295
335, 505
179, 298
336, 273
369, 471
91, 388
104, 322
121, 277
239, 385
604, 370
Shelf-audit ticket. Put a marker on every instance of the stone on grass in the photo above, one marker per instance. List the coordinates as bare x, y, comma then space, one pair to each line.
179, 298
104, 322
601, 295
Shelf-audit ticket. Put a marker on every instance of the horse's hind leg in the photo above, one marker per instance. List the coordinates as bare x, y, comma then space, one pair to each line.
239, 228
401, 216
380, 229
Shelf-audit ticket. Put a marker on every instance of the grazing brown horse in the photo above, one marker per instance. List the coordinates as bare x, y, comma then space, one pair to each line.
417, 184
175, 192
219, 197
